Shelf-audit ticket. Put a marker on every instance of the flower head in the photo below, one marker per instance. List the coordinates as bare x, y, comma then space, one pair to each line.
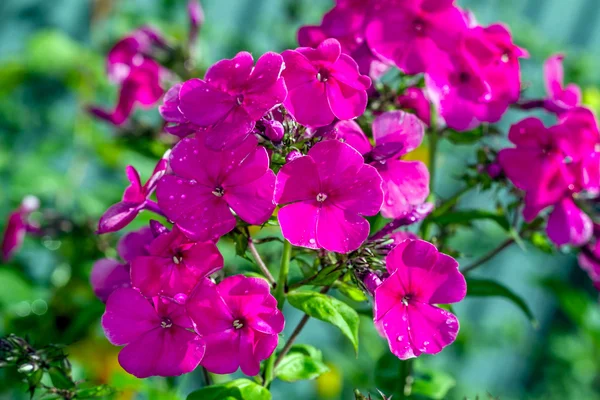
323, 84
479, 80
347, 23
325, 195
396, 133
560, 97
206, 184
174, 265
234, 95
415, 34
157, 335
17, 226
135, 199
404, 310
239, 321
109, 274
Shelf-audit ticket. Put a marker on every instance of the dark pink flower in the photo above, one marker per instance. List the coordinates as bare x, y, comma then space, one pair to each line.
156, 334
174, 265
414, 99
396, 133
130, 65
232, 97
405, 183
17, 226
325, 196
568, 224
347, 23
580, 125
414, 34
405, 312
560, 98
239, 321
479, 80
540, 164
109, 274
323, 84
176, 123
135, 199
206, 184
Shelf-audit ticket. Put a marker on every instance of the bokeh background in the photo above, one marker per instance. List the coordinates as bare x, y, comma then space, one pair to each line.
52, 67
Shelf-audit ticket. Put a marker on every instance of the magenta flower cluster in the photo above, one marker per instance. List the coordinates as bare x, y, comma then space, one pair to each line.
311, 141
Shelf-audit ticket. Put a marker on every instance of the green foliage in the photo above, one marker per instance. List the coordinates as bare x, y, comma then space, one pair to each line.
239, 389
433, 384
489, 288
466, 217
328, 309
301, 362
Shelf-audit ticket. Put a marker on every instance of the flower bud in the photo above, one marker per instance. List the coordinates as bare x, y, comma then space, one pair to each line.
292, 155
274, 130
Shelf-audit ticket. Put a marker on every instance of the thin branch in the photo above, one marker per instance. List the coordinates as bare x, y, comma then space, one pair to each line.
488, 256
295, 333
261, 264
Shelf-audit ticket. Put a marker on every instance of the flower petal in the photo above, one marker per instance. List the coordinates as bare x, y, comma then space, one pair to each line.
340, 231
128, 315
296, 181
298, 223
253, 202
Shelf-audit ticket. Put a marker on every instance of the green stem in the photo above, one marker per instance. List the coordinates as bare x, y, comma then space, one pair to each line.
280, 291
284, 269
493, 253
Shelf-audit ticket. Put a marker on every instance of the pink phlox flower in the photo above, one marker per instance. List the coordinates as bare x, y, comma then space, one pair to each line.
415, 34
176, 123
323, 84
206, 185
568, 224
415, 100
405, 310
109, 274
560, 97
396, 133
325, 196
234, 95
479, 80
17, 225
174, 265
135, 199
157, 335
347, 23
131, 66
239, 321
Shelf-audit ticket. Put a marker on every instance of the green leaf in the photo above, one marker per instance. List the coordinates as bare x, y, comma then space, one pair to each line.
239, 389
352, 292
465, 217
19, 289
95, 392
302, 362
241, 245
486, 288
541, 241
434, 385
326, 276
60, 378
330, 310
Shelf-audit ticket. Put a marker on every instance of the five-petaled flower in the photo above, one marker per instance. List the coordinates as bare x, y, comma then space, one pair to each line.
405, 312
135, 199
233, 95
323, 84
325, 196
109, 274
174, 265
206, 185
239, 321
157, 334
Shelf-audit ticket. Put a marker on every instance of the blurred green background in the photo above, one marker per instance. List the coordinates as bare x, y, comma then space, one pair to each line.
52, 67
